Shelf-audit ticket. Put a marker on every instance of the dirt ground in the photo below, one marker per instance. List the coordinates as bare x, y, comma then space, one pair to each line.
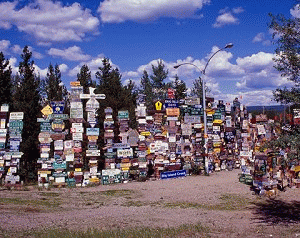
219, 202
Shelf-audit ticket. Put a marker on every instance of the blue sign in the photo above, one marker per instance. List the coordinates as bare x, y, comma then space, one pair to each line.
58, 107
173, 174
171, 103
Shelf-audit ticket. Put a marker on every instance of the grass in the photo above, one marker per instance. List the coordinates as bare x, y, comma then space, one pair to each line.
182, 231
228, 202
26, 202
49, 194
118, 193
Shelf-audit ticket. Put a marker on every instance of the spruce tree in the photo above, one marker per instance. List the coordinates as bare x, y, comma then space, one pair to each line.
28, 99
110, 85
197, 90
180, 88
146, 90
5, 81
54, 88
85, 79
157, 80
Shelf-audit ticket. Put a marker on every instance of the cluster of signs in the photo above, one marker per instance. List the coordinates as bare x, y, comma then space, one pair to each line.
10, 160
66, 164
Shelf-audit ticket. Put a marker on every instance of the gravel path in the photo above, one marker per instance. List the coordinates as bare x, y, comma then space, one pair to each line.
219, 202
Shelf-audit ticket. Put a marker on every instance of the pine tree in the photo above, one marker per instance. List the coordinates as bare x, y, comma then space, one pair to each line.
5, 81
85, 79
110, 85
146, 90
157, 80
130, 95
197, 90
28, 99
53, 86
180, 88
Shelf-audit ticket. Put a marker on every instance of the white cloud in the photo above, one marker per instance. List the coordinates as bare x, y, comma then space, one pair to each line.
4, 45
13, 64
16, 49
73, 53
295, 11
225, 19
41, 72
256, 62
238, 10
147, 10
93, 65
49, 21
63, 68
260, 37
228, 17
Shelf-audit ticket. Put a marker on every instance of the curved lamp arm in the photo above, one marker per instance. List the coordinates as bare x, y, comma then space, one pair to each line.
229, 45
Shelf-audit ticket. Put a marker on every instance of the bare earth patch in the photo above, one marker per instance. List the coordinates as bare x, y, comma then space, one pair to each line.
218, 203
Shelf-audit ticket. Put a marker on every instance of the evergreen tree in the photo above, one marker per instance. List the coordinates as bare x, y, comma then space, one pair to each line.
130, 95
28, 99
180, 88
157, 80
197, 90
146, 90
5, 81
110, 85
54, 88
85, 79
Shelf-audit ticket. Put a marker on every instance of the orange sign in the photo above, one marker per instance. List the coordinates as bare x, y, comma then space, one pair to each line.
75, 84
173, 111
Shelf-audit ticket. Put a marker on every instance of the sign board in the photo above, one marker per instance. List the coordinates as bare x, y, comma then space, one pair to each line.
123, 114
47, 110
58, 107
173, 174
124, 153
93, 153
158, 106
4, 108
120, 145
173, 111
58, 125
133, 137
75, 84
77, 136
76, 104
92, 104
58, 116
92, 131
192, 101
76, 113
16, 116
171, 103
192, 119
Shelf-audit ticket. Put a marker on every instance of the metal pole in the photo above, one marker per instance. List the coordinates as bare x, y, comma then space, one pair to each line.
230, 45
205, 125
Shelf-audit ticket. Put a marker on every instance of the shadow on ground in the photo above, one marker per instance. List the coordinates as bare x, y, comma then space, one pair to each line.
277, 212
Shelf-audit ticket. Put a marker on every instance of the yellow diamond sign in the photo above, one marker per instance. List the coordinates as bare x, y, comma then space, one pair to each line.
47, 110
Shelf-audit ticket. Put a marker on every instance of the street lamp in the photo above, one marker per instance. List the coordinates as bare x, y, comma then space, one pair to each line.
228, 46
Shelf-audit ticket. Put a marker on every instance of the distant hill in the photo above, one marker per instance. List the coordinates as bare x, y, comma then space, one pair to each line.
260, 109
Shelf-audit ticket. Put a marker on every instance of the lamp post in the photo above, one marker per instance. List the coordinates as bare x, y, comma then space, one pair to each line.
228, 46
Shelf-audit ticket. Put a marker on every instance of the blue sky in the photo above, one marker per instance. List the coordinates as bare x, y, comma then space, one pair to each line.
135, 34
